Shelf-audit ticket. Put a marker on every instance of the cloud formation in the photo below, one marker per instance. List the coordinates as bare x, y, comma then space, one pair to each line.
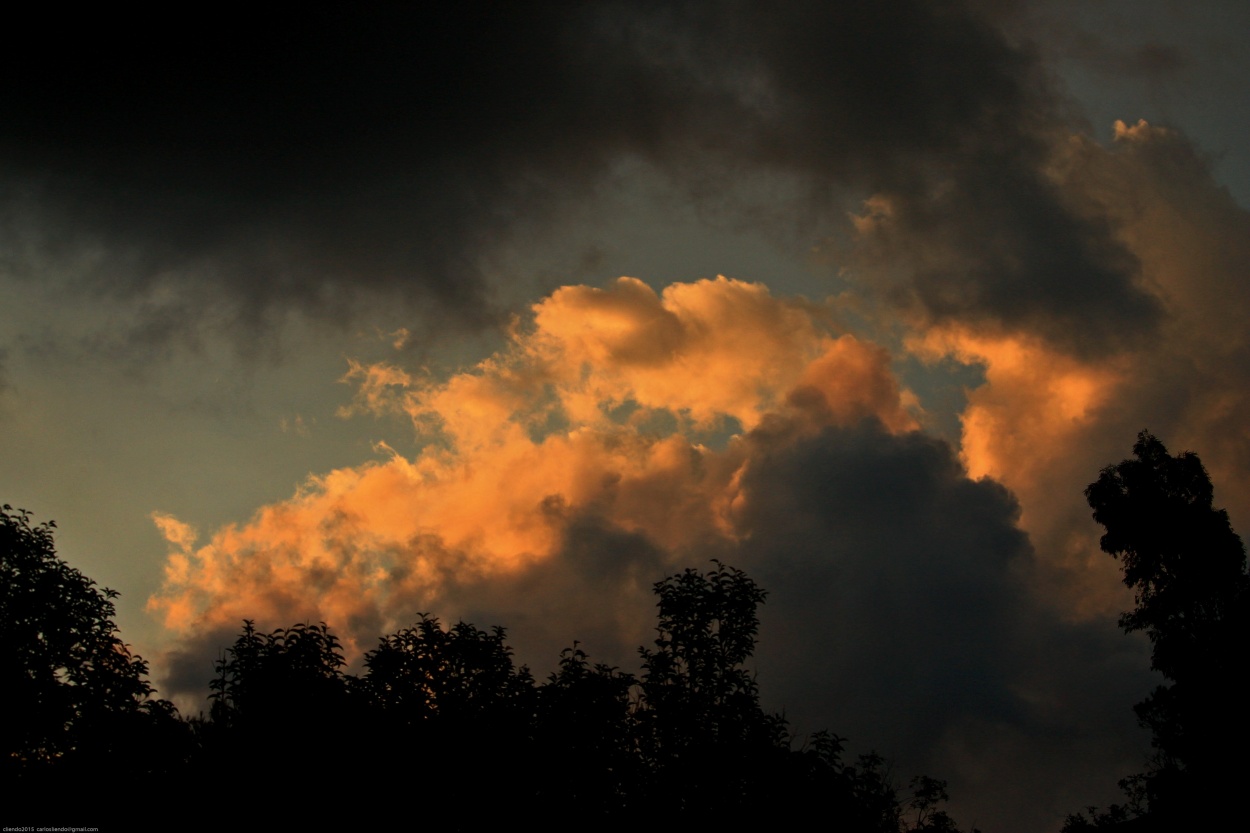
596, 409
625, 434
1046, 419
947, 601
329, 163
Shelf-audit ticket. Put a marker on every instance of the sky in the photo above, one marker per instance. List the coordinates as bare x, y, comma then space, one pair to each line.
505, 312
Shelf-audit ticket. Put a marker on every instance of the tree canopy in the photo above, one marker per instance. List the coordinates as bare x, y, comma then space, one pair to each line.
80, 716
440, 710
1187, 568
1180, 555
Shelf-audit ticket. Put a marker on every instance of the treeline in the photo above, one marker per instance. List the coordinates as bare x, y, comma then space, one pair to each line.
441, 722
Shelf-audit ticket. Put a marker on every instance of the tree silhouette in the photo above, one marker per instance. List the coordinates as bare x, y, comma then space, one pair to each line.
694, 678
585, 739
443, 713
81, 718
285, 715
704, 736
710, 750
1187, 568
455, 695
427, 673
283, 678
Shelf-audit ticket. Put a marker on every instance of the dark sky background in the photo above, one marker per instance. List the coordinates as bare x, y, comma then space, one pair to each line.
320, 315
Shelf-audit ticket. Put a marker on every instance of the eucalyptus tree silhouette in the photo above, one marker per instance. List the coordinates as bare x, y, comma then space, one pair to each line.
1187, 568
81, 717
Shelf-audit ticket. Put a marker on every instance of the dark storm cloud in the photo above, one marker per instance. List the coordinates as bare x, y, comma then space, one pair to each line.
327, 160
596, 590
310, 159
884, 538
899, 614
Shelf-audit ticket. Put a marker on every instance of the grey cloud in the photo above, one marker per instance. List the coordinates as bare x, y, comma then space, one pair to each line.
597, 590
885, 538
1000, 245
900, 615
329, 160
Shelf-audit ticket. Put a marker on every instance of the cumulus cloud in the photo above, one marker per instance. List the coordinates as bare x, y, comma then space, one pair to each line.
602, 407
1046, 419
942, 599
901, 614
624, 434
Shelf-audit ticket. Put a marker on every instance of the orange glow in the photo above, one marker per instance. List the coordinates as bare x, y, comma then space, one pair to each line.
1034, 400
375, 543
1030, 427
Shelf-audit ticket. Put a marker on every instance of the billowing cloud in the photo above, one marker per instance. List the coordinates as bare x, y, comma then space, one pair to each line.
625, 434
1046, 419
902, 613
605, 405
945, 600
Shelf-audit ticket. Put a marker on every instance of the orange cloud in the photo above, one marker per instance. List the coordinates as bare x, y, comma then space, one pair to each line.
1031, 426
1035, 401
1045, 419
597, 406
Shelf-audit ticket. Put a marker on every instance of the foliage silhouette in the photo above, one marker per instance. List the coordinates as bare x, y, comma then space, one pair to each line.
1187, 568
928, 795
81, 715
283, 677
440, 712
585, 738
282, 709
712, 753
425, 672
685, 740
705, 739
455, 695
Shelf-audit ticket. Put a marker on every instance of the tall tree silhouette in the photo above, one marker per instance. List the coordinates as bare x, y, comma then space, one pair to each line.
1187, 568
694, 677
710, 750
